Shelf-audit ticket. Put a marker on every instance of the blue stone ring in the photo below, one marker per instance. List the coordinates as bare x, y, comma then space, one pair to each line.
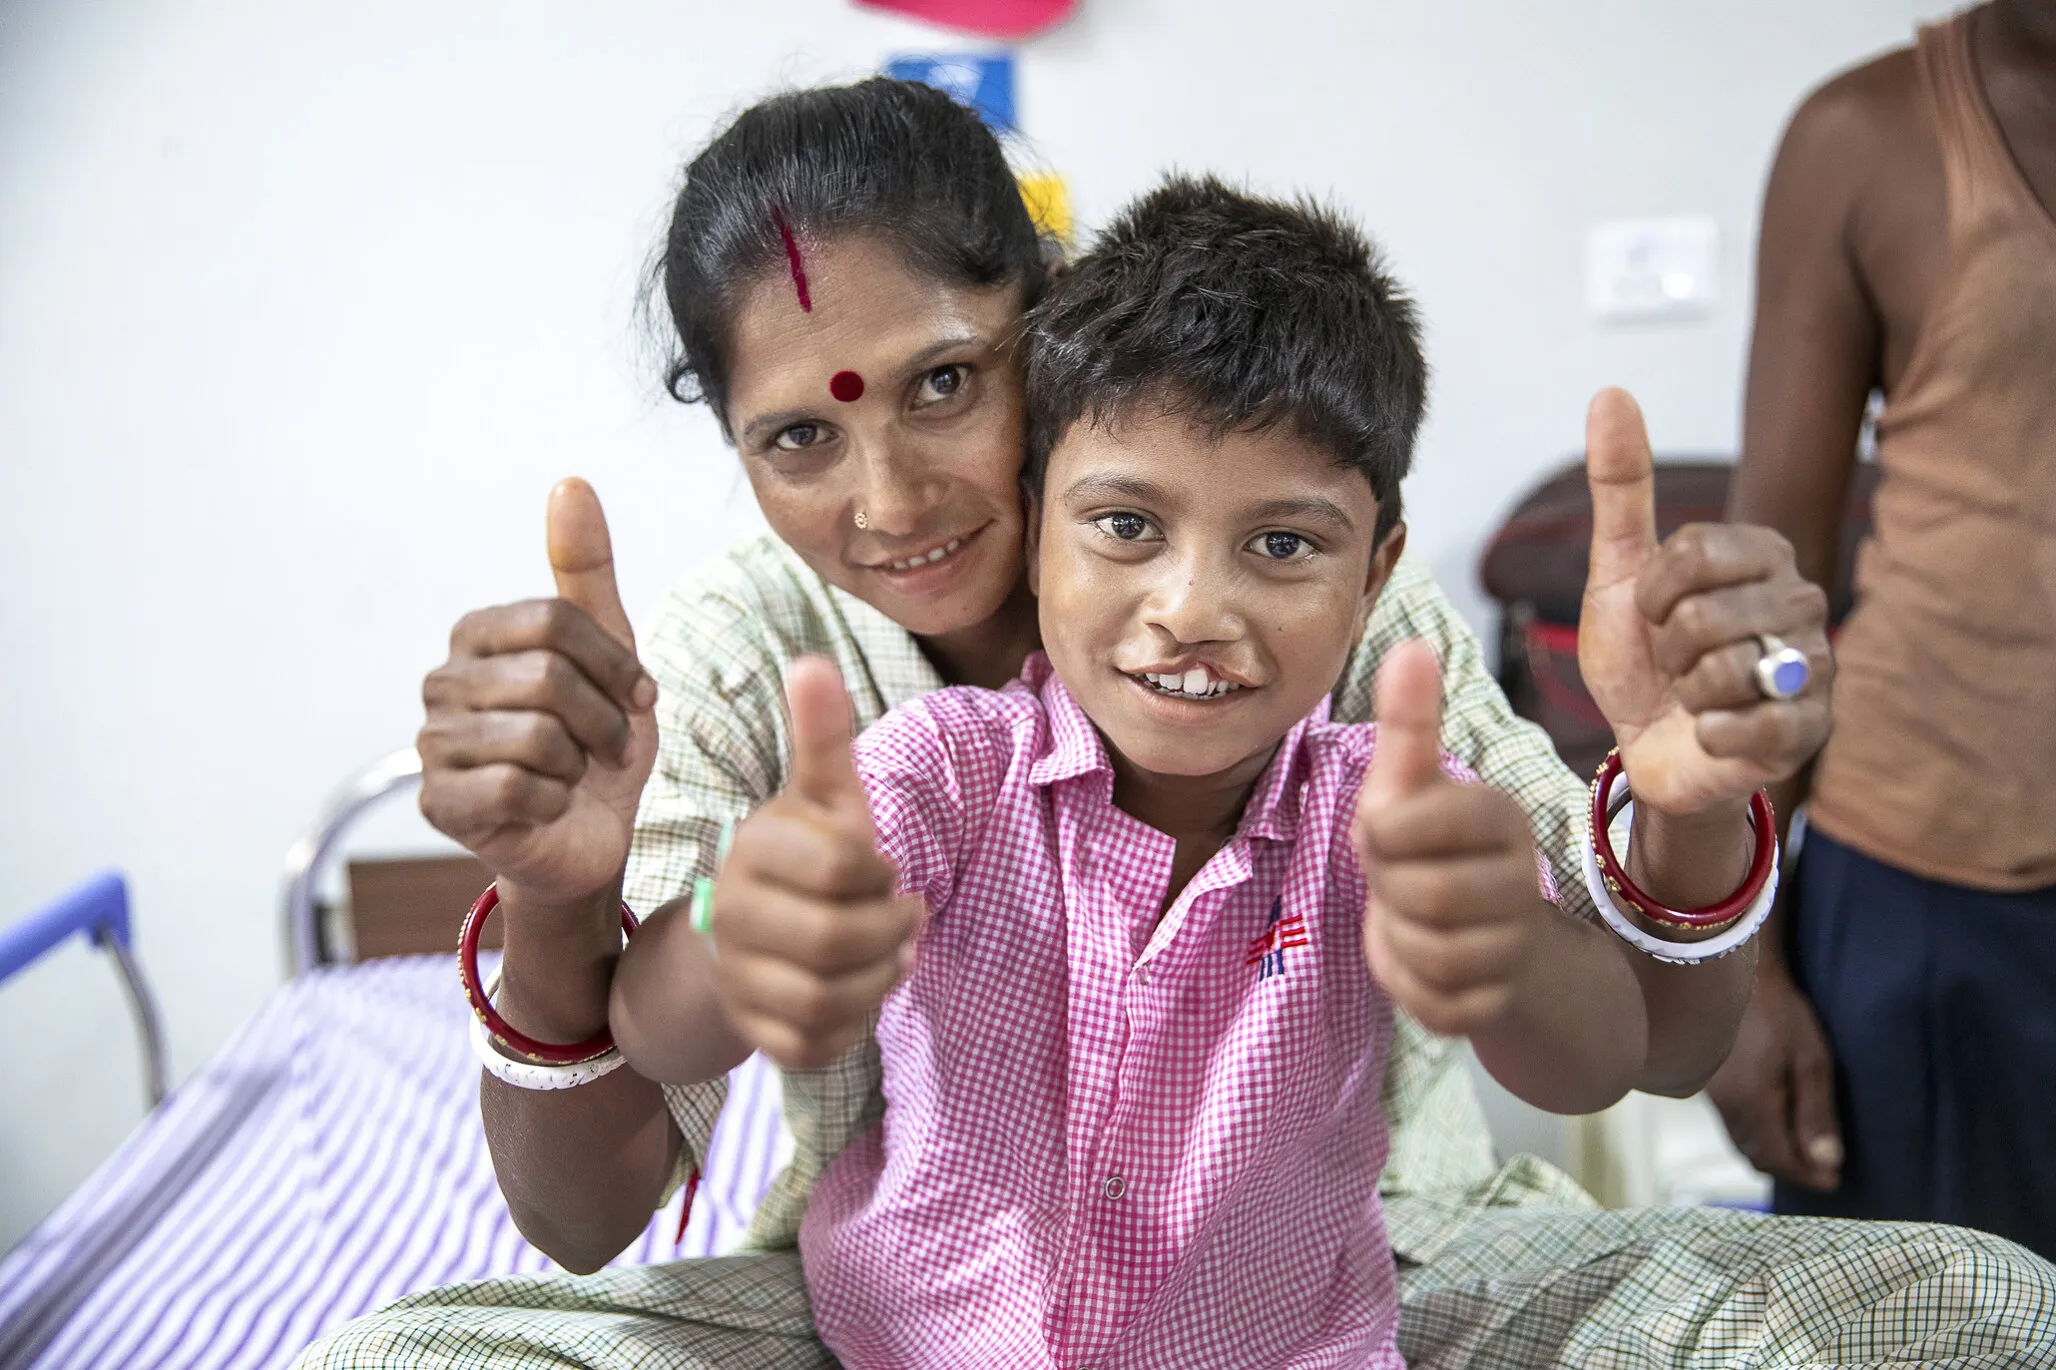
1781, 671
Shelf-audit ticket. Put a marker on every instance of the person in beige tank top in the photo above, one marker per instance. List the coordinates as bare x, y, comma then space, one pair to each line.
1899, 1059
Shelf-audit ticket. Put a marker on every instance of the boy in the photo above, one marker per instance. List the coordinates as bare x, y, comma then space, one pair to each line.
1133, 1071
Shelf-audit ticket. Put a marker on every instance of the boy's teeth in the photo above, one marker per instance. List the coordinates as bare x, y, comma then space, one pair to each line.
1193, 684
937, 555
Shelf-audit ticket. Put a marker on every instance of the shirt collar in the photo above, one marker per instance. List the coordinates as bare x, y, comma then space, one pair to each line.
1273, 809
1075, 748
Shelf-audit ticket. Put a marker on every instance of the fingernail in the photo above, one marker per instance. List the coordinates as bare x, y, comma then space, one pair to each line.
1825, 1152
645, 692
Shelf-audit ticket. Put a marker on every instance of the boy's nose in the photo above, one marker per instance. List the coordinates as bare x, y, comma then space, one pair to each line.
1193, 603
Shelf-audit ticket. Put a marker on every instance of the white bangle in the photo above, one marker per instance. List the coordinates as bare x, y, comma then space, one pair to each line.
1662, 948
528, 1074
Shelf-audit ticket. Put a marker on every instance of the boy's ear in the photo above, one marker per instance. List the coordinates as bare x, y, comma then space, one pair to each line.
1033, 533
1382, 561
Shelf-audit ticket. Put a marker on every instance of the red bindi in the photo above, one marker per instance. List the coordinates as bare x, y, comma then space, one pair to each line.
792, 260
846, 386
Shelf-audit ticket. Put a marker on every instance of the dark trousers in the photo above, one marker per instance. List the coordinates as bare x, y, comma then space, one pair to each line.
1939, 1004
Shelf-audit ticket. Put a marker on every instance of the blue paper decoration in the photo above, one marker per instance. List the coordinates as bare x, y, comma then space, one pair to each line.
984, 81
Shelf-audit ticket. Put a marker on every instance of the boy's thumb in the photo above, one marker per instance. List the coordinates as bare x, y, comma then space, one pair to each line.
582, 556
1407, 756
822, 769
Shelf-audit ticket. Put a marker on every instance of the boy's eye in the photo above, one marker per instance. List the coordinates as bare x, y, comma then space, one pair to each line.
941, 383
1284, 546
799, 436
1126, 527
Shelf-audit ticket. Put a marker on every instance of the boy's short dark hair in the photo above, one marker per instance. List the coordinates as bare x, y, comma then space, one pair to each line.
1236, 312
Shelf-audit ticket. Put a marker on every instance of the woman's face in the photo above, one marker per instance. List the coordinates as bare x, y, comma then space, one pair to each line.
881, 428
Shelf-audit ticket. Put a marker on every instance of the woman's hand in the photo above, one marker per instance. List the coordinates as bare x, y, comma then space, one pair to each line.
809, 937
1667, 638
541, 730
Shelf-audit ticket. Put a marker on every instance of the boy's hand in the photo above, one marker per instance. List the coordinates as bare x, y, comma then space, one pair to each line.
1453, 896
807, 931
541, 728
1667, 638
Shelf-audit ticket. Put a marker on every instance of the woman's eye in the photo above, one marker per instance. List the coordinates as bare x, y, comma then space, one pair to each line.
942, 383
1126, 527
800, 435
1284, 546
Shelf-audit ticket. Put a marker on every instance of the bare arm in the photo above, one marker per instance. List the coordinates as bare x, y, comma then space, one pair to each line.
582, 1169
1814, 354
540, 736
1814, 359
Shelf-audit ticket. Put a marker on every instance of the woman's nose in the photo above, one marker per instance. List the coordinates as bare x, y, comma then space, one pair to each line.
898, 492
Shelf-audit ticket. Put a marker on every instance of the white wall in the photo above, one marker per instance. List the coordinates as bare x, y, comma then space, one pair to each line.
303, 307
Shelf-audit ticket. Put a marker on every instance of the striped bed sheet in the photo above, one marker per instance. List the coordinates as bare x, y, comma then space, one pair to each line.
328, 1161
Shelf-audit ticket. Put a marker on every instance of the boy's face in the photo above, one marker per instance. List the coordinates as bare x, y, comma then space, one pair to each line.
1199, 595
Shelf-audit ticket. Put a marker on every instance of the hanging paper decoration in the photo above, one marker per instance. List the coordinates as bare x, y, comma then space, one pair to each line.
985, 82
991, 18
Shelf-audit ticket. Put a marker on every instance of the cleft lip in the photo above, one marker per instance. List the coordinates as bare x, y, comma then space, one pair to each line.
1214, 671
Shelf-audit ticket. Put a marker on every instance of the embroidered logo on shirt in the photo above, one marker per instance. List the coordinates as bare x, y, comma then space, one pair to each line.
1281, 930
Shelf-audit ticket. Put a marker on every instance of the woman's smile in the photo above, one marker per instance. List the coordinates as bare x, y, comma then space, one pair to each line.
933, 567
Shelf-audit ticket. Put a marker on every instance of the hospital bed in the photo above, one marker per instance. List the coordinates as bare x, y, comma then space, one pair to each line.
328, 1159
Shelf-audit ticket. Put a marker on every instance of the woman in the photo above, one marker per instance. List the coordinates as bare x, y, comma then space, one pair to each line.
873, 234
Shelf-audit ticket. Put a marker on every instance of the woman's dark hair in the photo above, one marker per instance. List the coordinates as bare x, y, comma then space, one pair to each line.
895, 160
1237, 312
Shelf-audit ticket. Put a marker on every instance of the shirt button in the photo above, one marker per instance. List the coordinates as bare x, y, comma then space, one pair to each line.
1115, 1187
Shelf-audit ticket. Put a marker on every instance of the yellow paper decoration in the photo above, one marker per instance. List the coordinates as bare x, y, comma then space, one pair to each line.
1049, 203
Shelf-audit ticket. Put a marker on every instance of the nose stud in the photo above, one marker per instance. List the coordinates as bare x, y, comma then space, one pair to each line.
863, 519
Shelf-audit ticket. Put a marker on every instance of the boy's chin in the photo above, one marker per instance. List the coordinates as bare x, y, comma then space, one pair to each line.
1146, 749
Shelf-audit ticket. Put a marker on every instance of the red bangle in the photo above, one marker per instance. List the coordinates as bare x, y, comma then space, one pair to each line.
542, 1053
1761, 822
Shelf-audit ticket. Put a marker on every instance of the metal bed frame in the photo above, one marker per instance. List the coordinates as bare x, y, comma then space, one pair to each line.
99, 911
309, 945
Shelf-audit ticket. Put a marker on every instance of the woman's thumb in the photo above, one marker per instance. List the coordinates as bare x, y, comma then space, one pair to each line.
582, 556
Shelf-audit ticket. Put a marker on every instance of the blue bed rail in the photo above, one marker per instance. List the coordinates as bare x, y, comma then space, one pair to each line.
99, 911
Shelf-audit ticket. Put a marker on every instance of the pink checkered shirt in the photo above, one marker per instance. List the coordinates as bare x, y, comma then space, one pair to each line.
1112, 1140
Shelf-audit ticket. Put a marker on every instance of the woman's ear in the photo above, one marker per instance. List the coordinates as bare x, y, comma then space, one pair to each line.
1383, 559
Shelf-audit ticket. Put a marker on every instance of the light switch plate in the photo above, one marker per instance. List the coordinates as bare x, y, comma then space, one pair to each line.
1637, 269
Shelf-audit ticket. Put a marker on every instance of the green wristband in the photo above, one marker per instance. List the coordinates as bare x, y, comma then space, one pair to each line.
703, 887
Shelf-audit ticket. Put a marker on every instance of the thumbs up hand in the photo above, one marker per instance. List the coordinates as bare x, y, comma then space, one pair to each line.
1668, 636
808, 934
1453, 898
541, 728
